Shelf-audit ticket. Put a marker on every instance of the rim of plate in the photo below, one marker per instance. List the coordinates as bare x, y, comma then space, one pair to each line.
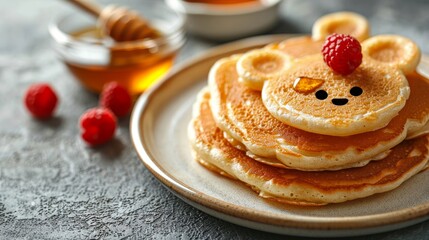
235, 211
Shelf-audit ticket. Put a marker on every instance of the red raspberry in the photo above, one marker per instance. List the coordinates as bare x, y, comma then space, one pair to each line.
342, 53
98, 126
41, 100
116, 98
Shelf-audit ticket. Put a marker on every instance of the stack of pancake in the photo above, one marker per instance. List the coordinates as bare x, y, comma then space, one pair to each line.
281, 121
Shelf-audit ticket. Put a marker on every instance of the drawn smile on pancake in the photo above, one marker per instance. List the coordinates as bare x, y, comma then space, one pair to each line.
340, 101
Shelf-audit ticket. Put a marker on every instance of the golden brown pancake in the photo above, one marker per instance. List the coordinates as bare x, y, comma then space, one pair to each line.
393, 50
240, 112
307, 94
341, 22
275, 162
302, 187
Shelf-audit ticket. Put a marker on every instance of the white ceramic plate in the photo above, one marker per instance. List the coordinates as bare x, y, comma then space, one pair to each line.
159, 133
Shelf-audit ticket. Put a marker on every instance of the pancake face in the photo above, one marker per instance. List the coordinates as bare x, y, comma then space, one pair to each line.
363, 101
239, 111
307, 94
300, 187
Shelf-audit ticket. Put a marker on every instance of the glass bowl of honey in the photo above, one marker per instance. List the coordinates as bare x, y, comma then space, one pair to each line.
96, 59
224, 20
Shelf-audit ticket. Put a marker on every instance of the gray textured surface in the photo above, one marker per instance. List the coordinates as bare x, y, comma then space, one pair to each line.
54, 187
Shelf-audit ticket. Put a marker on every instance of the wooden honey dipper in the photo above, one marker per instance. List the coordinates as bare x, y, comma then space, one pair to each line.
119, 23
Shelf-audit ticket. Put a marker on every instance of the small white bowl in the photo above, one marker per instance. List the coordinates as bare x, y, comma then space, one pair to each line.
221, 22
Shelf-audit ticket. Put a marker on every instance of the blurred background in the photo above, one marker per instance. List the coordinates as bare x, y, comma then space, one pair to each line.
53, 187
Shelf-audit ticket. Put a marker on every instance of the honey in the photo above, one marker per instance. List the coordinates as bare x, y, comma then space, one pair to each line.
136, 67
306, 85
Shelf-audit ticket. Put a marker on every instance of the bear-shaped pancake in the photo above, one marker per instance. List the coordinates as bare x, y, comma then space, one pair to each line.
307, 94
240, 113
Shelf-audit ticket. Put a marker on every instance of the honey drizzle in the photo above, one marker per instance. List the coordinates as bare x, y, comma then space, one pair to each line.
306, 85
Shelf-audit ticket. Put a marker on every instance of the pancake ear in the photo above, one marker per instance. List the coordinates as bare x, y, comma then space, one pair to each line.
393, 50
257, 66
342, 22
